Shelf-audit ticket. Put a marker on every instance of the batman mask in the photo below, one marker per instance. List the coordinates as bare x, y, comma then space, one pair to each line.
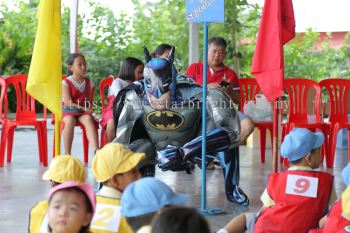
159, 80
157, 76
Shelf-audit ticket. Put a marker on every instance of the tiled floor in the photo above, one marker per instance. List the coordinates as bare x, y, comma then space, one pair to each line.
21, 185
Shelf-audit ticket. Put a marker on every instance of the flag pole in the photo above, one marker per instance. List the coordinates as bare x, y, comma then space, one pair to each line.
277, 27
204, 210
204, 117
275, 126
57, 135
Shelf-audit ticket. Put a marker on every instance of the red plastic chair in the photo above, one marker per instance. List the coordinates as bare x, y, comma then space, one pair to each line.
338, 91
298, 90
25, 115
248, 89
84, 137
105, 83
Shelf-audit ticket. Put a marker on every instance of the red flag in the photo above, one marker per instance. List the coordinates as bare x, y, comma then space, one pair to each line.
277, 27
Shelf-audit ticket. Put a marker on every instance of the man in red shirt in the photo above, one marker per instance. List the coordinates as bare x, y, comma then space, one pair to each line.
222, 77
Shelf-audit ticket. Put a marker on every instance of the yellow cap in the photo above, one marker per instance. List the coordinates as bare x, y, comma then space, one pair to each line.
113, 159
65, 168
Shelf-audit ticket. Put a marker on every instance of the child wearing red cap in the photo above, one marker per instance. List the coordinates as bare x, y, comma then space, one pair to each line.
71, 207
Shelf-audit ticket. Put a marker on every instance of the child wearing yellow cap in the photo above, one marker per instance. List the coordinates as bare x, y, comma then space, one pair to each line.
63, 168
115, 167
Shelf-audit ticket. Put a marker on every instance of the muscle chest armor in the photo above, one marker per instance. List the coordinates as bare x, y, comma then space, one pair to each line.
179, 124
174, 126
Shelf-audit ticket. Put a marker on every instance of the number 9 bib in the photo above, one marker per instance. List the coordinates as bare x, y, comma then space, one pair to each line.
302, 185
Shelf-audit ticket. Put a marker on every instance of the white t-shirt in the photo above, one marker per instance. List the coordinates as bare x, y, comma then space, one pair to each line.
80, 87
117, 85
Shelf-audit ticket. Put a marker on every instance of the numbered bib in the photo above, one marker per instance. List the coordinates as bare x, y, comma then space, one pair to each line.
106, 217
302, 185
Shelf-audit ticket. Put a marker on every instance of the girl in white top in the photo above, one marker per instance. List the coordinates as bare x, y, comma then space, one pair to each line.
130, 71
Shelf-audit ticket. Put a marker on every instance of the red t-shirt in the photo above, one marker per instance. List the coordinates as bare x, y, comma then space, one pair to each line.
195, 71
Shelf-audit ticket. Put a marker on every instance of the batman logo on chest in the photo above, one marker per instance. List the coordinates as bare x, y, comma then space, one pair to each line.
165, 120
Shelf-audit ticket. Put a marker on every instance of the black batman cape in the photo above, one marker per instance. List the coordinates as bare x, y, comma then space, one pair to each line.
119, 101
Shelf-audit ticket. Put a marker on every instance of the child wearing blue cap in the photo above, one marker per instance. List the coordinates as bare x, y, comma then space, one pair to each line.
294, 200
142, 199
338, 219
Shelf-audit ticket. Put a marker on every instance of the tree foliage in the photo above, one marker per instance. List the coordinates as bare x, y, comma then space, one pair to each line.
308, 56
17, 31
106, 40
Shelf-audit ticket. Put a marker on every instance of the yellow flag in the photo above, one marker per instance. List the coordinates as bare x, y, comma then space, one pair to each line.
45, 73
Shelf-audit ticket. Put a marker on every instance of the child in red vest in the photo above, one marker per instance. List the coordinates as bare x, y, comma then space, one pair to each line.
77, 94
338, 219
294, 200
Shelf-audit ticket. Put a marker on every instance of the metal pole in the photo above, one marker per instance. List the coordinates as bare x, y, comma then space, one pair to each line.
193, 45
204, 116
73, 25
275, 125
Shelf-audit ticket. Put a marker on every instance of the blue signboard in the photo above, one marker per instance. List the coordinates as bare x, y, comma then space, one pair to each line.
199, 11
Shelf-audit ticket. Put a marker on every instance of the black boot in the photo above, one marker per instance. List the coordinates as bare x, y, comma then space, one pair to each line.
230, 166
237, 195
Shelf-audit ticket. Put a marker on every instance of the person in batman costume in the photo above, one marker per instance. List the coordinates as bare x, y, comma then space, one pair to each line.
161, 116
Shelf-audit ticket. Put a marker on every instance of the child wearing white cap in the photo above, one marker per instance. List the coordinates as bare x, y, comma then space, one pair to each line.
63, 168
338, 219
144, 198
294, 200
115, 167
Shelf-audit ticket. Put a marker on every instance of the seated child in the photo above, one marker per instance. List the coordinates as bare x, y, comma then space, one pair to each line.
115, 167
338, 219
294, 200
77, 96
62, 168
131, 70
177, 219
71, 207
142, 199
162, 50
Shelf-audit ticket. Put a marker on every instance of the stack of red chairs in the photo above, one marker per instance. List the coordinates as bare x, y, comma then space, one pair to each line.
338, 90
248, 89
105, 83
25, 116
298, 90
